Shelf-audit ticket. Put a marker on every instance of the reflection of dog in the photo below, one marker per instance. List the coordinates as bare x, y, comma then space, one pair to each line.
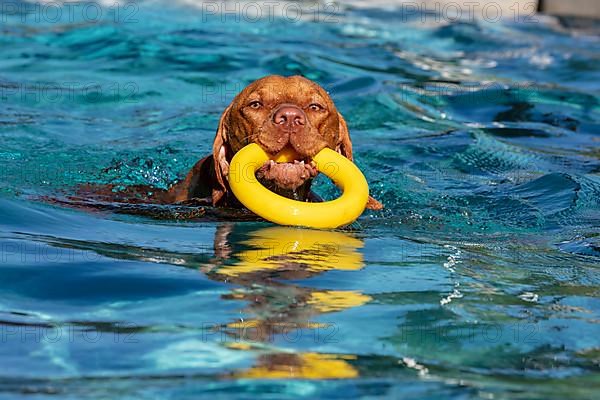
260, 261
265, 257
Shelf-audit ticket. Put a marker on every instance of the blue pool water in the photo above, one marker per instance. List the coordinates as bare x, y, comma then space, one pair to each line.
480, 279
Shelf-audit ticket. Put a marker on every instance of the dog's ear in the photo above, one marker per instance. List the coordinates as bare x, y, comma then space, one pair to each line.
221, 151
344, 147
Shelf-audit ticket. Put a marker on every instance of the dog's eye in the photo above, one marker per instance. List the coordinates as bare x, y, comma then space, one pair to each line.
255, 104
316, 107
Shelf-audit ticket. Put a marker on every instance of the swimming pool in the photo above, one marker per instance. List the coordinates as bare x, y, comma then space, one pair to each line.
479, 279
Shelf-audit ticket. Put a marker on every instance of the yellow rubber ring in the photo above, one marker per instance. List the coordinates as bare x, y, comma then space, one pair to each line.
281, 210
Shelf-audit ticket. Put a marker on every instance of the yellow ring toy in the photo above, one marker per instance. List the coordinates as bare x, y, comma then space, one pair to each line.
284, 211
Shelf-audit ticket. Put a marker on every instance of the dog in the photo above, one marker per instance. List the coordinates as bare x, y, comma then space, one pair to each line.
274, 112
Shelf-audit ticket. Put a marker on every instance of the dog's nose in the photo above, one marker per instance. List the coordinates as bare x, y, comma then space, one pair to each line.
289, 116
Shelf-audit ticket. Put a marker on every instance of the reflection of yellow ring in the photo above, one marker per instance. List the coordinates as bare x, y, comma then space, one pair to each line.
276, 247
284, 211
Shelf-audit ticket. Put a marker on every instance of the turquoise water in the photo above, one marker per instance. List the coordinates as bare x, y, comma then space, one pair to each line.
480, 279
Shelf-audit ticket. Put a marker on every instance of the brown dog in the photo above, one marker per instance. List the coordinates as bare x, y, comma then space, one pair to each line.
275, 112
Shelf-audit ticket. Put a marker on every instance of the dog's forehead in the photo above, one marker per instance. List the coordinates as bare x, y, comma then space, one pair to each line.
279, 89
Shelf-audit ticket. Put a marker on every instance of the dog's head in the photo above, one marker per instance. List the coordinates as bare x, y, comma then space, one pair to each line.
278, 112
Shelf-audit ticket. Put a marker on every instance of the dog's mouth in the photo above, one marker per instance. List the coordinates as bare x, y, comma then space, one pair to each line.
287, 175
287, 178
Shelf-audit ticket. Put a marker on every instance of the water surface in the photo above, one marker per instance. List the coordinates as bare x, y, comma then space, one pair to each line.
479, 279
